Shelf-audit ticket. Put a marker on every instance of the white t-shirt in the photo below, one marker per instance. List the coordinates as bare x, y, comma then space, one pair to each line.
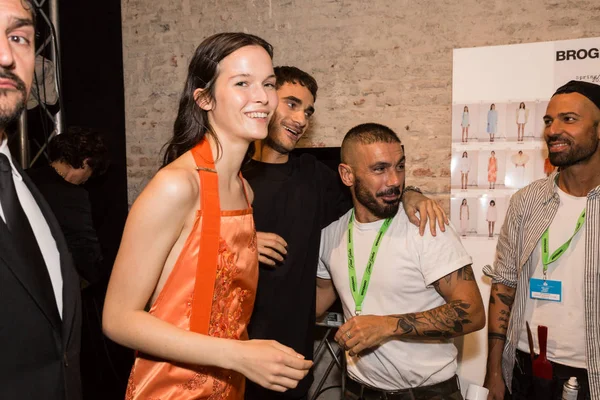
40, 229
405, 268
565, 320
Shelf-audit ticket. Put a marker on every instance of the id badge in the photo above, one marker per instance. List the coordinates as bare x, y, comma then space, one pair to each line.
540, 289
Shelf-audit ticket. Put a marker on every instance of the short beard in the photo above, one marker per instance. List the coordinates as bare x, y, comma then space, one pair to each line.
581, 153
364, 197
8, 115
275, 145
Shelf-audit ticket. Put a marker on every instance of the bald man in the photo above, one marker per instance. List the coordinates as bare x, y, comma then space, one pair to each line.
404, 295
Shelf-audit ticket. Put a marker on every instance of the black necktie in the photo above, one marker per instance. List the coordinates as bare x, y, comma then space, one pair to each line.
24, 240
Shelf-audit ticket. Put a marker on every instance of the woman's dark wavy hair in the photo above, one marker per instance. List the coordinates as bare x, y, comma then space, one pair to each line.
191, 124
78, 144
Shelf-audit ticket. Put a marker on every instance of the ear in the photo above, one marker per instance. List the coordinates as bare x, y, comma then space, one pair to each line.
346, 174
202, 100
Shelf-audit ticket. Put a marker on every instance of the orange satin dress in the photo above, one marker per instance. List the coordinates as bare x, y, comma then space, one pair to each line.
492, 169
232, 303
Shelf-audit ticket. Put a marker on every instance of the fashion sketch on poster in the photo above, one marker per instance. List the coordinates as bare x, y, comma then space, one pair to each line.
491, 216
492, 122
464, 217
465, 125
464, 170
522, 116
520, 160
492, 170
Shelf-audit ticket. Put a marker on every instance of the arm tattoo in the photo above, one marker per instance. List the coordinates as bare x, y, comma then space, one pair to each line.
503, 318
445, 321
506, 299
442, 322
466, 273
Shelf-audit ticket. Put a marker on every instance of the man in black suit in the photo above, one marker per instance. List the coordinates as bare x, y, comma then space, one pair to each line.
40, 309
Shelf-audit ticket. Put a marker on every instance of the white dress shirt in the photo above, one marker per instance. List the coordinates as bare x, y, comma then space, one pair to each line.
40, 228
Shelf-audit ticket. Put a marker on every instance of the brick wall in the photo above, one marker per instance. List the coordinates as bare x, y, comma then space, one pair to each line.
387, 61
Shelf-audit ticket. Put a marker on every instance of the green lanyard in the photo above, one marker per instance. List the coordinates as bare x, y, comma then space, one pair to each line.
548, 259
359, 296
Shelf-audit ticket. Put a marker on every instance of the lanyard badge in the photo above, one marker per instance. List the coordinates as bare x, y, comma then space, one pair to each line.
545, 289
550, 258
359, 295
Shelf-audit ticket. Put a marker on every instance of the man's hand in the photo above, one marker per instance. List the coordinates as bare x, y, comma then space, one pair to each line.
428, 210
363, 332
271, 248
495, 384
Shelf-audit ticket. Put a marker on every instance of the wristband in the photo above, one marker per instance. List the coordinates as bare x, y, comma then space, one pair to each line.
413, 189
497, 336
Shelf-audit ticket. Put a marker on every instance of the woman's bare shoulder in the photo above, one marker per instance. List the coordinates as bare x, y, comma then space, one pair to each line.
175, 185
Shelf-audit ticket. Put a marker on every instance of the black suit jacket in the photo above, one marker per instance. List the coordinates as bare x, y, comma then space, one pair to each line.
39, 352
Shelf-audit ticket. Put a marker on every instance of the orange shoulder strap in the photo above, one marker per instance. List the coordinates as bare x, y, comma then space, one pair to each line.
206, 271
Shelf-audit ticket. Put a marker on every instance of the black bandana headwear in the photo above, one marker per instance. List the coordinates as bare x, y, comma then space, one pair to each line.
587, 89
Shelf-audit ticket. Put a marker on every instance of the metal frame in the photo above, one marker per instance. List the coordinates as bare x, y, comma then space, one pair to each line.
53, 41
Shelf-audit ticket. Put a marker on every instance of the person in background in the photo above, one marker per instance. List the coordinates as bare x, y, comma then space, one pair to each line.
492, 122
464, 217
465, 167
75, 156
522, 115
491, 216
464, 124
492, 170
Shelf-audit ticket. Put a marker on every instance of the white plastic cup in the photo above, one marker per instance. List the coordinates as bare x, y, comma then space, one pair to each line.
476, 392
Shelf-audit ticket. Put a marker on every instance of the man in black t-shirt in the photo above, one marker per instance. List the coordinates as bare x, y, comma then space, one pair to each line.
294, 198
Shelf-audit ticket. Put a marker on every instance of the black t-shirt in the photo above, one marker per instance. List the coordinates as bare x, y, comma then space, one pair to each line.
294, 200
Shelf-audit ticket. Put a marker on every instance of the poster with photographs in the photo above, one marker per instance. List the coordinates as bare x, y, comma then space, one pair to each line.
498, 142
499, 98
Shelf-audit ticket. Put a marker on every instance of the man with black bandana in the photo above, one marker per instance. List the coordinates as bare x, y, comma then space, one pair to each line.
294, 198
547, 266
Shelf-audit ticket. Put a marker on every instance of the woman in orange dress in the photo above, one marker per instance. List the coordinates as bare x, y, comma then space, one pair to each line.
492, 170
184, 281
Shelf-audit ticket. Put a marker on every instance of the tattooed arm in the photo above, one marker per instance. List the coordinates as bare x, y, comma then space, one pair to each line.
504, 276
463, 313
501, 301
